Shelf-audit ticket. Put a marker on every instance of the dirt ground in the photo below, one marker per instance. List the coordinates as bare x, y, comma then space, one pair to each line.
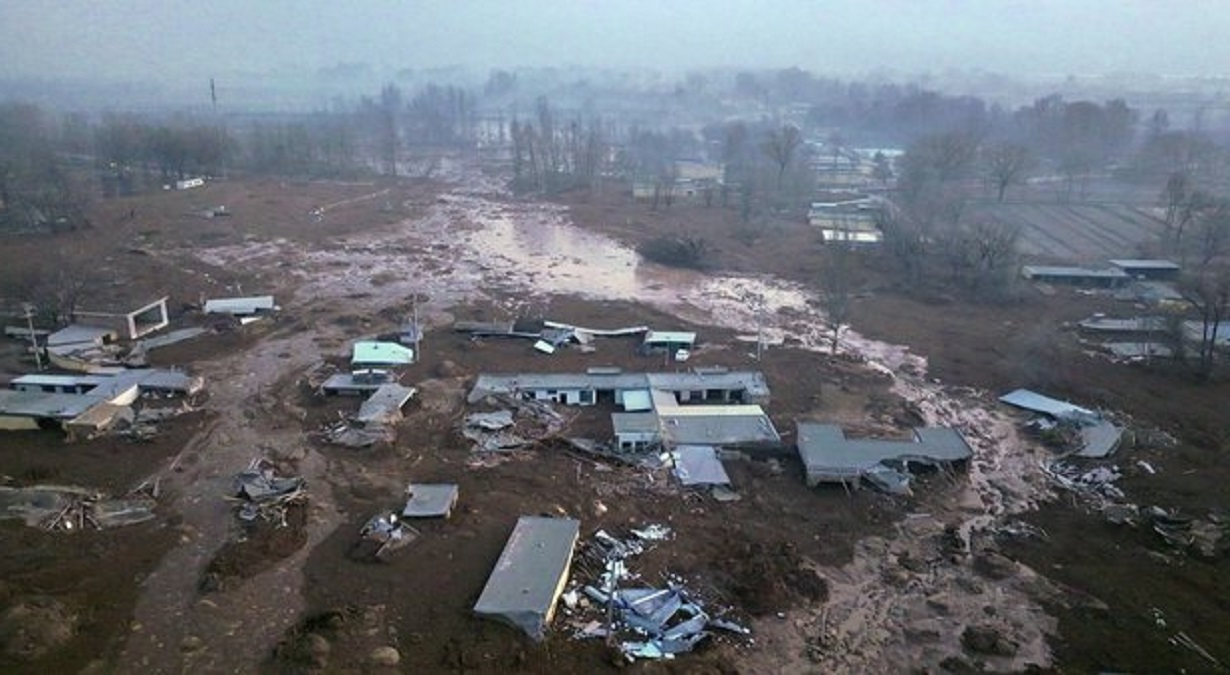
344, 265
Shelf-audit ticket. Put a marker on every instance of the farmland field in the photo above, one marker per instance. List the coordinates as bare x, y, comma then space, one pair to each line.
1078, 233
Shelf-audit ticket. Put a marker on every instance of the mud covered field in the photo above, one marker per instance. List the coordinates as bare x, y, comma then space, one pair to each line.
955, 578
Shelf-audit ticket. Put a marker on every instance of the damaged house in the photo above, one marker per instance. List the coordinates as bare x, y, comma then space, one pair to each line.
1096, 436
530, 574
829, 457
86, 404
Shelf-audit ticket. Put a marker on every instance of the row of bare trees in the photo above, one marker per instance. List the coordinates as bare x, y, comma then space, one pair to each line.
550, 156
37, 190
929, 226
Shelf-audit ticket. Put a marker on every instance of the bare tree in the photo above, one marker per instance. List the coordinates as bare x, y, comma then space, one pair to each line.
939, 158
781, 147
882, 169
1208, 294
836, 287
390, 111
1005, 165
1212, 231
1173, 199
982, 256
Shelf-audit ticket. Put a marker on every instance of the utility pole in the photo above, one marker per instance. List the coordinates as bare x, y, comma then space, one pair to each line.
759, 326
38, 357
416, 334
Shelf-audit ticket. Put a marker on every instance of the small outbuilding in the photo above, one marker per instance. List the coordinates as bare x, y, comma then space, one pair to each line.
530, 574
250, 306
1108, 277
1163, 270
430, 500
380, 354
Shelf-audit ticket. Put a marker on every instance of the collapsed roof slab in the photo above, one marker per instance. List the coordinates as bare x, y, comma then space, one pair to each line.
430, 500
530, 574
699, 465
1052, 407
828, 456
385, 404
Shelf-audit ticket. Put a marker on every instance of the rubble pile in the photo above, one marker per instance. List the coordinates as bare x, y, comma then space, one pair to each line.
1205, 536
515, 424
645, 621
385, 533
71, 509
376, 420
262, 494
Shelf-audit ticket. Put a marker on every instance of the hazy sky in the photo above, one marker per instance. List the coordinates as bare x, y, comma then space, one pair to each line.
169, 39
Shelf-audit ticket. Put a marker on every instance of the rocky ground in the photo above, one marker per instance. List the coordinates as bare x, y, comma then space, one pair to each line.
993, 568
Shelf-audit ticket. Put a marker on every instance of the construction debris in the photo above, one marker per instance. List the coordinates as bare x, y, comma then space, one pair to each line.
646, 622
387, 533
262, 494
518, 424
69, 509
375, 420
1095, 437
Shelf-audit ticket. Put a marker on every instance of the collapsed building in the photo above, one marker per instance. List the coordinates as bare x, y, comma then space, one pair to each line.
86, 404
830, 457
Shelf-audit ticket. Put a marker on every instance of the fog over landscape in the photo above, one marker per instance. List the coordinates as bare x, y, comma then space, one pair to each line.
614, 336
172, 41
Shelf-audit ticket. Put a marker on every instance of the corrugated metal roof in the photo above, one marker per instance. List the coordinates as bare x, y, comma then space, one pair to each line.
385, 404
828, 455
671, 337
1145, 264
430, 500
699, 465
530, 574
76, 334
1033, 271
239, 306
637, 399
50, 406
1029, 400
381, 353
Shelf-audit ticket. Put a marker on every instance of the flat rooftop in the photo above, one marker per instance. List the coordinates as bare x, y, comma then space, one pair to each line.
829, 455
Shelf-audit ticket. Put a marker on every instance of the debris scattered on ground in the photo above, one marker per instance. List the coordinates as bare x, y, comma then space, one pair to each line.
262, 494
515, 425
647, 622
387, 533
1078, 430
374, 422
1098, 482
70, 509
348, 435
1205, 536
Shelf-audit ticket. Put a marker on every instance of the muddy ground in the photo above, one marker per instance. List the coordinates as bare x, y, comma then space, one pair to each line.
874, 583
